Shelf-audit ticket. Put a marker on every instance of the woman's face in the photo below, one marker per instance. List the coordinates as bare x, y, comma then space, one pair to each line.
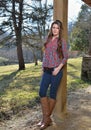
55, 30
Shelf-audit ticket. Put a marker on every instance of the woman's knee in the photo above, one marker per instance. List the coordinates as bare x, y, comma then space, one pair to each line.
42, 94
53, 96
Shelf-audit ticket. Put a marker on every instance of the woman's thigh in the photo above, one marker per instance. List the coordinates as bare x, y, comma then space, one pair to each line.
55, 81
44, 84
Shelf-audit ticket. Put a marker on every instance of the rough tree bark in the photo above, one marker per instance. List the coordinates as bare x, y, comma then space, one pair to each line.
17, 21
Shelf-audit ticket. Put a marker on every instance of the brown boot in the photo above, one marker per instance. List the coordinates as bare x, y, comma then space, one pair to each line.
52, 103
46, 113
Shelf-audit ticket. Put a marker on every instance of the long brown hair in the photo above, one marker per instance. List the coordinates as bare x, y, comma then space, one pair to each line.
50, 35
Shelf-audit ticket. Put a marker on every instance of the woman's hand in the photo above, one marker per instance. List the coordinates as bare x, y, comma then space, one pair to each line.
55, 71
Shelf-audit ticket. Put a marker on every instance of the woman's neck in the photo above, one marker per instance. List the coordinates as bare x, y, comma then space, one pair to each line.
55, 37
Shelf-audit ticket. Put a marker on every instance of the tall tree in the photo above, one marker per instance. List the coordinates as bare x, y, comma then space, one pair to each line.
24, 21
12, 10
17, 17
40, 18
81, 33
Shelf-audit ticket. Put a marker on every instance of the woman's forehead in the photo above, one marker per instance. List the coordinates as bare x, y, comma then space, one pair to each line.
55, 25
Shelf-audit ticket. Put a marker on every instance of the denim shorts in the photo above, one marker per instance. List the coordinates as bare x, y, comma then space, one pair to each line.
50, 80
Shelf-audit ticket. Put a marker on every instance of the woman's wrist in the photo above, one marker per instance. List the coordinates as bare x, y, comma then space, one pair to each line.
60, 66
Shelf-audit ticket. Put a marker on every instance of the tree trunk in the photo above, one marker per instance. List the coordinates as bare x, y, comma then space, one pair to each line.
17, 22
35, 58
19, 51
20, 57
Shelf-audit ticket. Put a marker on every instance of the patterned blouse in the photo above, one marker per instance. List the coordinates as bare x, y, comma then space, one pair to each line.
51, 57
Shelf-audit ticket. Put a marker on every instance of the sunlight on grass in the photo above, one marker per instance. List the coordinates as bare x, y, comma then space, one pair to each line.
17, 98
18, 88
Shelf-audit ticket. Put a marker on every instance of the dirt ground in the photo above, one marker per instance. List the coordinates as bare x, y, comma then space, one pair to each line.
79, 115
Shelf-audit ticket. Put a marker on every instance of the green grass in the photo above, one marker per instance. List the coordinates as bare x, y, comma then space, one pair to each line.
74, 74
20, 88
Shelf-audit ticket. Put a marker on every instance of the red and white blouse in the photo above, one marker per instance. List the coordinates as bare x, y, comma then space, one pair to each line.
51, 57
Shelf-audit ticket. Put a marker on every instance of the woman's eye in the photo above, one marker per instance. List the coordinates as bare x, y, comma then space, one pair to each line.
55, 28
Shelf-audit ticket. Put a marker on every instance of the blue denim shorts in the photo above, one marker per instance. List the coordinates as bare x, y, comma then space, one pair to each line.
49, 80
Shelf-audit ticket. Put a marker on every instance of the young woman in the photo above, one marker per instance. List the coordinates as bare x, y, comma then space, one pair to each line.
54, 58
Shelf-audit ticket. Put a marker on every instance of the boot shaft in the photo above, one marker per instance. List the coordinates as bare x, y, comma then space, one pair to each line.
46, 113
45, 106
52, 103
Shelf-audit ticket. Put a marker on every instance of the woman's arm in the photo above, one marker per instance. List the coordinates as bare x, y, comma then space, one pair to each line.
64, 60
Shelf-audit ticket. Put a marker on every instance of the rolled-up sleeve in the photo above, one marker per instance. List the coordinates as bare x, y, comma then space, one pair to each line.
65, 52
